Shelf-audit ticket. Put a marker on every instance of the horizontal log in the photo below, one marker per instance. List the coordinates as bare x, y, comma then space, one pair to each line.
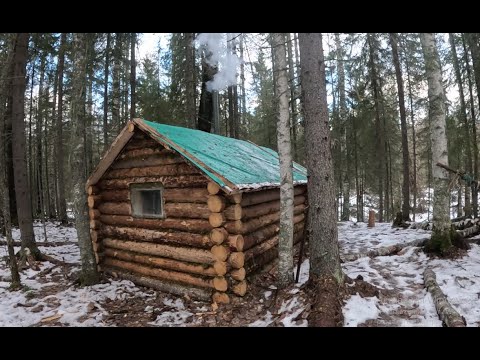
269, 231
220, 252
218, 235
147, 150
258, 262
221, 298
199, 226
94, 214
198, 256
95, 224
250, 225
115, 208
93, 190
234, 199
257, 197
173, 276
164, 286
94, 200
163, 263
221, 267
174, 210
187, 210
213, 188
216, 203
233, 212
270, 207
162, 170
156, 236
182, 181
146, 161
236, 260
236, 242
187, 195
238, 274
216, 220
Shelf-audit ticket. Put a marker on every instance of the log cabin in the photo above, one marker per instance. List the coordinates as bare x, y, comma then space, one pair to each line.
188, 212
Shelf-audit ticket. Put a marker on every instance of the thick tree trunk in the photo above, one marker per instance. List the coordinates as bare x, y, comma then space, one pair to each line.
403, 125
190, 97
323, 235
285, 247
441, 236
22, 191
205, 111
117, 56
89, 267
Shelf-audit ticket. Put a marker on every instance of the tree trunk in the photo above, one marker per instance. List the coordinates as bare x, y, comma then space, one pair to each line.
22, 190
242, 84
105, 94
463, 115
205, 111
89, 268
323, 235
285, 247
403, 125
133, 78
380, 144
190, 97
441, 236
293, 101
117, 56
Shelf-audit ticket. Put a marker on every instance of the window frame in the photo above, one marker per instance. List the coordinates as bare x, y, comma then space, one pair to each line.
135, 200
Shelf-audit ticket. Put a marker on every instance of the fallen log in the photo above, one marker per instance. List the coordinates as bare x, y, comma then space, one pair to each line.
383, 251
445, 311
198, 256
469, 232
156, 236
164, 286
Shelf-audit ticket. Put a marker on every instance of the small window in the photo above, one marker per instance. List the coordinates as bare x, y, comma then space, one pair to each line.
147, 200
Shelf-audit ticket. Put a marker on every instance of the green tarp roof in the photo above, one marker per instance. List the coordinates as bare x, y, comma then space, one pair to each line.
231, 163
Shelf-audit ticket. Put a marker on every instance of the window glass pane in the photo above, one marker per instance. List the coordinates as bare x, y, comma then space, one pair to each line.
151, 204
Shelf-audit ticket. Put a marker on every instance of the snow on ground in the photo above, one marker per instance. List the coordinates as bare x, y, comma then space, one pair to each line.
49, 298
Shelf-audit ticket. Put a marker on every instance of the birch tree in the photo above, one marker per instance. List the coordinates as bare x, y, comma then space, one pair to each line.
441, 239
285, 243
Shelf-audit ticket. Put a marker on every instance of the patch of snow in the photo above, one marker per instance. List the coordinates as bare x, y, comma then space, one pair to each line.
357, 310
264, 322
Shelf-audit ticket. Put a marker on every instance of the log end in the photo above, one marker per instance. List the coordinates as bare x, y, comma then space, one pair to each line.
221, 298
236, 242
213, 188
220, 283
216, 219
240, 288
238, 274
220, 252
220, 267
216, 203
237, 260
218, 235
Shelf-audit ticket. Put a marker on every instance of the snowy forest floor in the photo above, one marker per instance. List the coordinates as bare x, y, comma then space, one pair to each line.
49, 297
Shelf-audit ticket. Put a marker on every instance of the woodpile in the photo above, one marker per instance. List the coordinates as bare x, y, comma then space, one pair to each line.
207, 243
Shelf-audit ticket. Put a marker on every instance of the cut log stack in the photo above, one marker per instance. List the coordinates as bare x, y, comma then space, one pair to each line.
208, 241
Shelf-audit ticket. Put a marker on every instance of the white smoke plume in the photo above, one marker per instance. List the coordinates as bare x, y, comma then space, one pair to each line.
226, 62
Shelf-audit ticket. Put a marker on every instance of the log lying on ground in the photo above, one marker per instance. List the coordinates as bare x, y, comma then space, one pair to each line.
383, 251
217, 283
198, 256
163, 263
191, 225
252, 198
445, 311
162, 170
168, 287
156, 236
146, 161
460, 218
245, 227
181, 181
424, 225
469, 232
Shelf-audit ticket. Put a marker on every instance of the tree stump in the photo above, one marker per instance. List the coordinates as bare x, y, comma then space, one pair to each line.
371, 218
